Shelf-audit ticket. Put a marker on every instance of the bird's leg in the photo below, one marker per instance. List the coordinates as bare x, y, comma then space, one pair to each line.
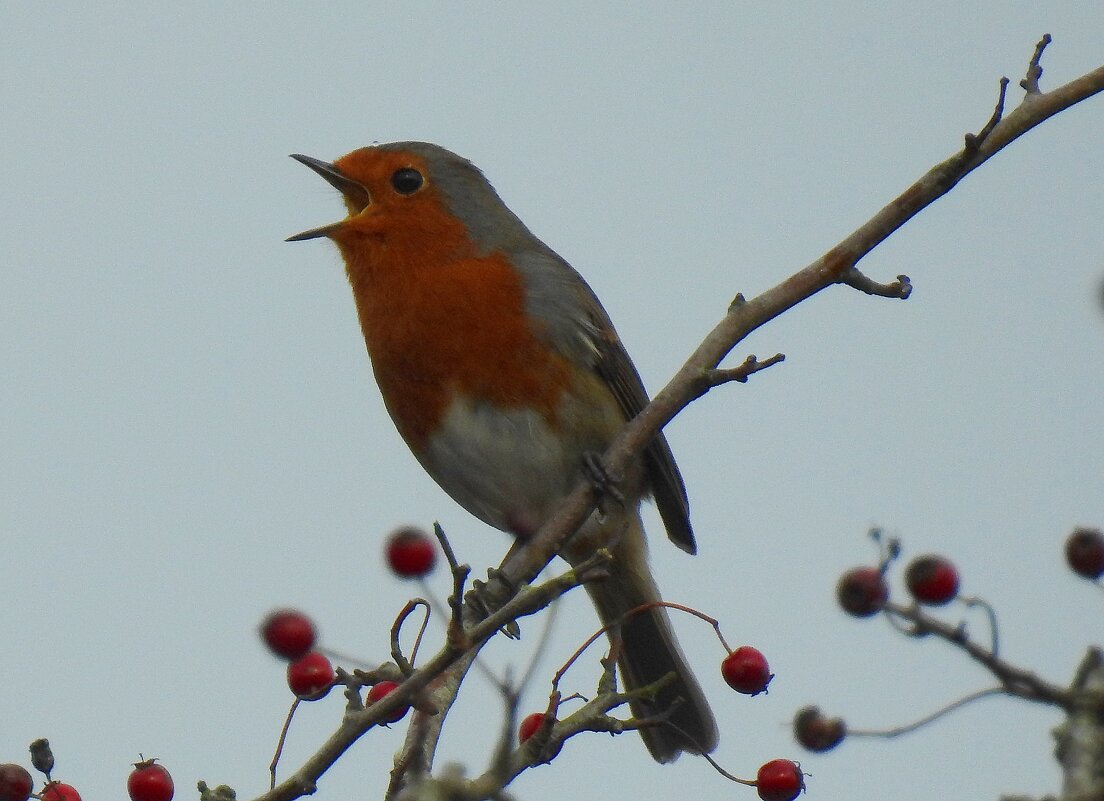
605, 484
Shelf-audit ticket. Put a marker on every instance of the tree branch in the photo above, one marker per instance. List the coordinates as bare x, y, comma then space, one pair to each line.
439, 678
743, 318
1080, 748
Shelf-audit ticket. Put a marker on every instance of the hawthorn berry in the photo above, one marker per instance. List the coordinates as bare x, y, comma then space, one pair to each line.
862, 591
56, 791
381, 689
746, 670
288, 633
817, 732
1085, 552
149, 782
932, 580
529, 725
780, 780
310, 677
15, 783
411, 552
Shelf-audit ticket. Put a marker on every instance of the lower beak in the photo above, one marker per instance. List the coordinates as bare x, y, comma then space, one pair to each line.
355, 194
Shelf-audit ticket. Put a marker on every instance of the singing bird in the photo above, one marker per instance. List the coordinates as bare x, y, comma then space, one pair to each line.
504, 375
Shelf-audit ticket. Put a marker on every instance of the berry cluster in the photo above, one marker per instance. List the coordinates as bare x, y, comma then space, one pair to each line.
291, 635
746, 671
147, 782
930, 579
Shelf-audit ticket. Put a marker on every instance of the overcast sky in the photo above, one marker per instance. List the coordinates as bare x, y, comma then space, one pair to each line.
192, 435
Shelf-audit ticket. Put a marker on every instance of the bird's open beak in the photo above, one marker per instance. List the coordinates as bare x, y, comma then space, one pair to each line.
355, 194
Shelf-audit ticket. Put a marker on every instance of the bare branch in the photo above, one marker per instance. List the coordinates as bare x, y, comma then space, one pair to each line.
1016, 681
1080, 748
745, 316
899, 289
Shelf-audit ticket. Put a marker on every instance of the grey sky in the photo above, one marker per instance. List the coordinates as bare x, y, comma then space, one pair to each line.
192, 435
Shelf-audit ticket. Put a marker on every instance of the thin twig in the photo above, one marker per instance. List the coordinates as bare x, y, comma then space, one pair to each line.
973, 141
280, 744
460, 575
543, 642
717, 376
916, 724
621, 620
1030, 83
726, 774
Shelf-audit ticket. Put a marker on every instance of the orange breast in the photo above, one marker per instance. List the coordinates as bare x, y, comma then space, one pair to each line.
435, 329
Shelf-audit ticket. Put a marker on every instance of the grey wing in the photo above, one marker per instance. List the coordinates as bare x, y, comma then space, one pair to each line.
547, 276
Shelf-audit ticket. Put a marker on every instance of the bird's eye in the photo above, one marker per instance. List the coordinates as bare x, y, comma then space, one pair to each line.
407, 181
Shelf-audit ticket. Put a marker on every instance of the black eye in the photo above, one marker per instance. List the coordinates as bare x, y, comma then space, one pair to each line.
407, 181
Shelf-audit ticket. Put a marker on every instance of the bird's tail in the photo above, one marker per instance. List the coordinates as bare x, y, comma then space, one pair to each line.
649, 651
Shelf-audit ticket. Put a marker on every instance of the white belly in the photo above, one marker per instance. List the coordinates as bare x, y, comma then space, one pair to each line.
509, 469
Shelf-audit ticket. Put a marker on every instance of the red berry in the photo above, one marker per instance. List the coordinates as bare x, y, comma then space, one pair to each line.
817, 732
1085, 552
378, 691
149, 782
15, 783
529, 725
932, 580
56, 791
411, 552
862, 591
311, 676
780, 780
288, 633
746, 670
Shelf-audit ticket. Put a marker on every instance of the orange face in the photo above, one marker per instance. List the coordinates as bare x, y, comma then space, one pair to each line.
393, 204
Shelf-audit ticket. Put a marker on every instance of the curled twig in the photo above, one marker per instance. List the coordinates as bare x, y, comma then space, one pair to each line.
407, 667
991, 614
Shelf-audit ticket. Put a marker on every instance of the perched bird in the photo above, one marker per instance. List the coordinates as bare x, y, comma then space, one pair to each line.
503, 373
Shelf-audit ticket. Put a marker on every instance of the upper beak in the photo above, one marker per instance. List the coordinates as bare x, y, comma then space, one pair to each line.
356, 194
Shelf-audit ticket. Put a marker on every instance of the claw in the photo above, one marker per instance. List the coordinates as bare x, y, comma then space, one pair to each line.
484, 598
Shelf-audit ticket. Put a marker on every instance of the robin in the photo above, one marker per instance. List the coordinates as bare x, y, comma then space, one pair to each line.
504, 375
